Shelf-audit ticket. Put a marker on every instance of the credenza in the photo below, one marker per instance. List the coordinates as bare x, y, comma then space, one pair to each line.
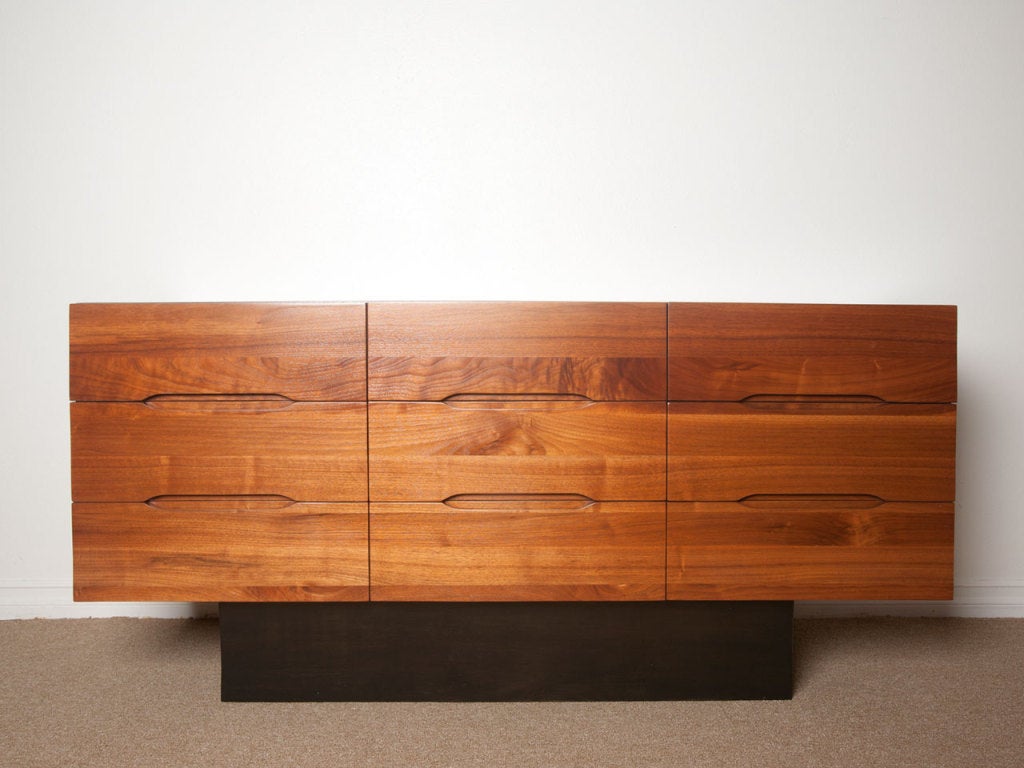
452, 500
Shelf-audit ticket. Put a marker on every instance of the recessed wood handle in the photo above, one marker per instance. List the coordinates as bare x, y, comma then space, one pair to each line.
569, 502
810, 402
254, 403
518, 402
796, 500
171, 503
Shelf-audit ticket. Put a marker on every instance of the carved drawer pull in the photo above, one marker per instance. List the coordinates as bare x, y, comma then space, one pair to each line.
817, 500
569, 502
254, 403
172, 503
518, 402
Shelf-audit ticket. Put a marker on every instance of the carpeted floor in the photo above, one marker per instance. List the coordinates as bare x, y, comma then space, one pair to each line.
869, 692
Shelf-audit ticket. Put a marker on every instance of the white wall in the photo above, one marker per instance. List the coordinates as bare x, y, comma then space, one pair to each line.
764, 151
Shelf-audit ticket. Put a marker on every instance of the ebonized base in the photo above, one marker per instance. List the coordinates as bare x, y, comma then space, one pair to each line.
506, 651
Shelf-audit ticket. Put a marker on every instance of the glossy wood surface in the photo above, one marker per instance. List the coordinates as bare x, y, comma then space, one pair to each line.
136, 451
734, 351
431, 451
217, 549
728, 451
431, 351
300, 351
806, 548
501, 410
517, 549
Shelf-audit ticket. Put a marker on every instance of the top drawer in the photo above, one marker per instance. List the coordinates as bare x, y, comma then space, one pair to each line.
433, 351
299, 351
736, 351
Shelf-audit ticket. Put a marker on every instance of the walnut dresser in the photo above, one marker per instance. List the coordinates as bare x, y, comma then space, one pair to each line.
511, 500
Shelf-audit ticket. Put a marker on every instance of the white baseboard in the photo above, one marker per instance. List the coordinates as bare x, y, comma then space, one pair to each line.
28, 599
973, 601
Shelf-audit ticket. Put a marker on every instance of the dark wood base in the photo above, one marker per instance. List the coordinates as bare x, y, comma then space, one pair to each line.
506, 651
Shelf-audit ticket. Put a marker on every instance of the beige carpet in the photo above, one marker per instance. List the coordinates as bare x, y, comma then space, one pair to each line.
869, 692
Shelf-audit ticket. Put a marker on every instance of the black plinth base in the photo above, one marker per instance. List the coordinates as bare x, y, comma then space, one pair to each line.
506, 651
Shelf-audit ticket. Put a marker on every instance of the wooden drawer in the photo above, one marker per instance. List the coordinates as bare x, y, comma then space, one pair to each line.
806, 548
300, 351
733, 351
226, 549
517, 549
433, 451
138, 451
729, 451
432, 351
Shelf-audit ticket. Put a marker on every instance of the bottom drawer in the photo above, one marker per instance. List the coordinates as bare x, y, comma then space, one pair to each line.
479, 549
806, 548
220, 549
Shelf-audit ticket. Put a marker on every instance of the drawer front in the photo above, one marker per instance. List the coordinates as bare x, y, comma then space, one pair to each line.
730, 451
224, 549
433, 451
804, 548
432, 351
517, 549
138, 451
135, 351
730, 352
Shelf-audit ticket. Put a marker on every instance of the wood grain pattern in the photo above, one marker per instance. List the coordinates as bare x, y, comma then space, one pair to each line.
529, 550
810, 549
430, 351
220, 550
728, 451
136, 451
732, 351
541, 399
300, 351
431, 451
